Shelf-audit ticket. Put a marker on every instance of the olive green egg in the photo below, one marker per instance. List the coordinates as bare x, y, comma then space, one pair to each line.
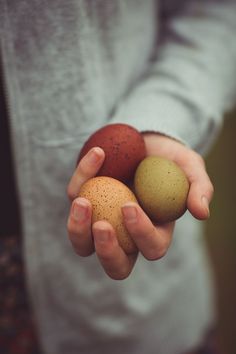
161, 188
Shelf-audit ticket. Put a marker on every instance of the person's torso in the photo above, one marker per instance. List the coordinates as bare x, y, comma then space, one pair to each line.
68, 65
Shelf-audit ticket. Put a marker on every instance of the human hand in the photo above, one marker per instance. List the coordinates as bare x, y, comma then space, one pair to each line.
152, 241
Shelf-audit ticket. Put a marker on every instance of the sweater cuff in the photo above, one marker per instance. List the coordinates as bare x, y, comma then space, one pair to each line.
164, 114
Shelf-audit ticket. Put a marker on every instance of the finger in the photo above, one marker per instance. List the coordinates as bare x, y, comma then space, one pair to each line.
116, 263
79, 227
87, 168
201, 189
153, 242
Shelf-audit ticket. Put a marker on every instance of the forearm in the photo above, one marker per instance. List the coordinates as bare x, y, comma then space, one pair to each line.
191, 83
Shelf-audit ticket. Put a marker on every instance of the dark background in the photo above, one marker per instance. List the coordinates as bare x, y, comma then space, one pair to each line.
221, 230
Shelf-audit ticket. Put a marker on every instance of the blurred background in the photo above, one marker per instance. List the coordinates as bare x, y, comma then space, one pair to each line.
17, 333
221, 231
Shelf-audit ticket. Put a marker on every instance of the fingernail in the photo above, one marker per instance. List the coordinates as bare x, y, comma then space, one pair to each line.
102, 236
93, 156
130, 213
79, 211
205, 204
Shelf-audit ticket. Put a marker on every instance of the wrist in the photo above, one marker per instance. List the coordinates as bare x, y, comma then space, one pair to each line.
161, 144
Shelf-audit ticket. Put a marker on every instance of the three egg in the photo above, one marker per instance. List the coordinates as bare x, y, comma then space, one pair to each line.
160, 186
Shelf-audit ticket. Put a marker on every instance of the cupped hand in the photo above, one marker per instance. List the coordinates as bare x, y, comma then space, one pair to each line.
152, 240
201, 188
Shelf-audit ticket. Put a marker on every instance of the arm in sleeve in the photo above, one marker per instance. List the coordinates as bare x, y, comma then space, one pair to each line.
192, 82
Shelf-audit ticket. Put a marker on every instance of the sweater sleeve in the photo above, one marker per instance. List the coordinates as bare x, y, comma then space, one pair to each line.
192, 81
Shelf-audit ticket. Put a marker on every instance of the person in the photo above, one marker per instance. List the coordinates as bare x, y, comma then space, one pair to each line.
164, 67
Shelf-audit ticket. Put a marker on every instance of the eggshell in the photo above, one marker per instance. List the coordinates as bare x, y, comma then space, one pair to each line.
161, 188
124, 149
107, 195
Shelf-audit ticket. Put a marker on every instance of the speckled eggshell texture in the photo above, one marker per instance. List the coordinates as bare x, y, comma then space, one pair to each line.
107, 195
161, 188
124, 149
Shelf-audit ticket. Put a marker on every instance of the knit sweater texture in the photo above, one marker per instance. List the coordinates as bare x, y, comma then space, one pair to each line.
71, 67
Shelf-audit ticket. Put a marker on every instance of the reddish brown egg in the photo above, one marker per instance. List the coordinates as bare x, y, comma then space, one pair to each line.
124, 149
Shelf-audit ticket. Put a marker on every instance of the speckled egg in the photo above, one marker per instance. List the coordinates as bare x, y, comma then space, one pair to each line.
107, 195
124, 149
161, 188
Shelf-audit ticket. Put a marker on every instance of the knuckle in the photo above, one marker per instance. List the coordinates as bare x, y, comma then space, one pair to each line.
81, 246
70, 226
211, 189
82, 166
195, 158
104, 255
82, 252
209, 186
121, 275
70, 193
198, 159
154, 255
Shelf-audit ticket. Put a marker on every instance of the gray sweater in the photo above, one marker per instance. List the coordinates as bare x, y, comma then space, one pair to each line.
71, 67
